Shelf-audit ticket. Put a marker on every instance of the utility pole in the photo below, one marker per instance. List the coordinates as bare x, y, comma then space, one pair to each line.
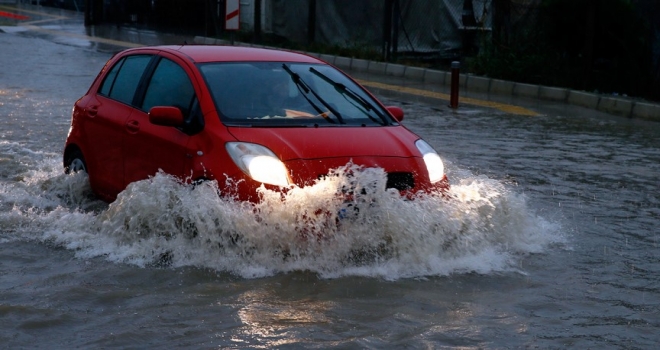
257, 21
387, 29
311, 22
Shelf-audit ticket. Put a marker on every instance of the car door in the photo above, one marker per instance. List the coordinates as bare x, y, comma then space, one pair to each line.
107, 113
148, 148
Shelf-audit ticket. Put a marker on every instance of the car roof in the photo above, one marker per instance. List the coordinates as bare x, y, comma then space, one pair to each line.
217, 53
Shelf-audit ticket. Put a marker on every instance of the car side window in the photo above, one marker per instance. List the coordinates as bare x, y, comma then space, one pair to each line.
106, 86
122, 81
169, 86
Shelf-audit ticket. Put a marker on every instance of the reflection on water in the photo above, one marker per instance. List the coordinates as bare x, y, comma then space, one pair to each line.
268, 320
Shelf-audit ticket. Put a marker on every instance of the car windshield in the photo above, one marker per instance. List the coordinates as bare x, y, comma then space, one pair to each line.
289, 94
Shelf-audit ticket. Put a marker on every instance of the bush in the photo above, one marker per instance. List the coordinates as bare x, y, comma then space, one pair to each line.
602, 45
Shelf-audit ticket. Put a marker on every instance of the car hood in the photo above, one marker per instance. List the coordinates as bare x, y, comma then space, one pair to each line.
332, 142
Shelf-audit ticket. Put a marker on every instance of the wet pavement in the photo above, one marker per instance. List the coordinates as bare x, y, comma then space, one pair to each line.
551, 240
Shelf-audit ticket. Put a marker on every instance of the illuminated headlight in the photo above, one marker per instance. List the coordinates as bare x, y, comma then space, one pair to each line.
432, 160
259, 163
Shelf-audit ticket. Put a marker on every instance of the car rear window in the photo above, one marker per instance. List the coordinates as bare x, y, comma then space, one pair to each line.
123, 78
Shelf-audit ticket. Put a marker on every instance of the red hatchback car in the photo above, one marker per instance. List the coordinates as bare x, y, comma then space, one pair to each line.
252, 116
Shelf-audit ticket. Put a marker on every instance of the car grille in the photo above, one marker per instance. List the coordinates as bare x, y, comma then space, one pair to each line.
400, 181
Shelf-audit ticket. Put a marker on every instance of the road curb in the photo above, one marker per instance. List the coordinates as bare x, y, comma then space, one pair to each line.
616, 105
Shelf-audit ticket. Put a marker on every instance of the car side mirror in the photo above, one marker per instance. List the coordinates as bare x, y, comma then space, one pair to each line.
166, 116
396, 112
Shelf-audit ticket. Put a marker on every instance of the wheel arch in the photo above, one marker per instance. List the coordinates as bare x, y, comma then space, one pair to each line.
68, 151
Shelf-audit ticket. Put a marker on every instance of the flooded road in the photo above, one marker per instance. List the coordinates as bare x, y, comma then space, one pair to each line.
551, 240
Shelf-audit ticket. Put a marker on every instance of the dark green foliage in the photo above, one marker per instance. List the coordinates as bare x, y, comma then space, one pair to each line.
602, 45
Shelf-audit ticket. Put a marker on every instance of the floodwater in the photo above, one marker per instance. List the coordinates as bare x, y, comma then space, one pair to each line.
550, 239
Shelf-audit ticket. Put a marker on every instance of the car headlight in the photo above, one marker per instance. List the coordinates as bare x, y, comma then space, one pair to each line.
258, 162
432, 160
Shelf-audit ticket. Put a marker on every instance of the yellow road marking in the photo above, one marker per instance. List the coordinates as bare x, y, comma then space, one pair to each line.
471, 101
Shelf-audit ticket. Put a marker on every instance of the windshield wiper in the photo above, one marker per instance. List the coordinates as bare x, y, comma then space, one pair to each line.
261, 125
342, 89
306, 89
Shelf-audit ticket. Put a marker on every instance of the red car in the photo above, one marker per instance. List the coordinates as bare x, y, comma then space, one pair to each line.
252, 116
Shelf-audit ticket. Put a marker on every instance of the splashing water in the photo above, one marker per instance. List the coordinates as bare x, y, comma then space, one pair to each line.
481, 226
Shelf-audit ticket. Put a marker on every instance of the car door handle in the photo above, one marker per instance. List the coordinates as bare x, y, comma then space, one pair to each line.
92, 111
133, 126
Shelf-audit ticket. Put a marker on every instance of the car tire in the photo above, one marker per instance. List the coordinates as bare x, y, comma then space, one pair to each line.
74, 162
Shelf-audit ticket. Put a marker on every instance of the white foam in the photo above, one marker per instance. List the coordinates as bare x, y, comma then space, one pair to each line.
484, 227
